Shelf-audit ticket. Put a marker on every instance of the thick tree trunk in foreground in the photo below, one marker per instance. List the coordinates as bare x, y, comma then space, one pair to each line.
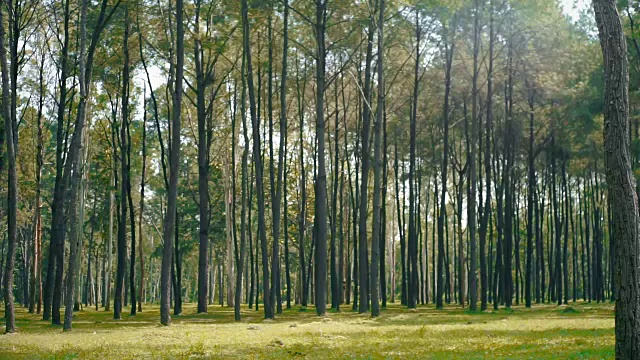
622, 195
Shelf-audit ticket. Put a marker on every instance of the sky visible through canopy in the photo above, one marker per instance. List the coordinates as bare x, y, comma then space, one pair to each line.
574, 7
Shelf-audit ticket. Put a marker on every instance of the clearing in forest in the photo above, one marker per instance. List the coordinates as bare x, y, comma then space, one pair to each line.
577, 331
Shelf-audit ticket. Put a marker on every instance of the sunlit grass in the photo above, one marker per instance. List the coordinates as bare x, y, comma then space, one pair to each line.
586, 331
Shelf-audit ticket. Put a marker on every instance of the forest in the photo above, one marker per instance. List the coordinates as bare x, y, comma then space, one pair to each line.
458, 172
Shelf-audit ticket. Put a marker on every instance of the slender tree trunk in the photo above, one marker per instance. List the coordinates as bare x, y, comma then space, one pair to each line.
174, 164
12, 197
363, 254
335, 281
53, 285
203, 168
141, 292
36, 268
376, 274
303, 190
450, 48
412, 242
531, 179
471, 201
257, 159
565, 222
557, 230
132, 217
320, 222
122, 223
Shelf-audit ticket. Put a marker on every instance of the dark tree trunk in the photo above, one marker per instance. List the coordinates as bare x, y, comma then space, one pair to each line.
12, 197
557, 228
450, 48
73, 162
400, 215
35, 302
303, 191
376, 275
333, 251
202, 81
471, 201
122, 222
257, 159
412, 243
363, 256
174, 168
320, 222
383, 216
531, 180
132, 218
621, 183
565, 222
53, 285
484, 283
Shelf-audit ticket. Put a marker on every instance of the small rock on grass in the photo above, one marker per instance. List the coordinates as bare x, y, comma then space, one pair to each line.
253, 327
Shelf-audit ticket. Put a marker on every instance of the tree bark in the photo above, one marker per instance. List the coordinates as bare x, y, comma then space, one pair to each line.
621, 183
174, 169
257, 159
376, 274
12, 197
320, 222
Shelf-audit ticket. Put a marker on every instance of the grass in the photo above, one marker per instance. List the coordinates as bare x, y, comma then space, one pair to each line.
544, 332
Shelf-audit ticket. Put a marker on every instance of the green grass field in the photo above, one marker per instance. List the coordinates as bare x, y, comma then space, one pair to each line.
579, 331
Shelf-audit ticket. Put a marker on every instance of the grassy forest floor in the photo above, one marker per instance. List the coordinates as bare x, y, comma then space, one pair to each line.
577, 331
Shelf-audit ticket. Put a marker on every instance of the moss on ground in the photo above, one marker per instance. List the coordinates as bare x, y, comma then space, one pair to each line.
544, 332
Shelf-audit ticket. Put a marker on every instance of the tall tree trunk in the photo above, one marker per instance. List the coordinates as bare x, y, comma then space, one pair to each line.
531, 180
53, 285
412, 242
122, 223
73, 169
333, 255
257, 160
141, 292
36, 268
565, 223
303, 190
363, 254
376, 274
174, 169
320, 222
12, 197
383, 215
275, 200
400, 213
471, 201
450, 48
557, 228
203, 168
621, 184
